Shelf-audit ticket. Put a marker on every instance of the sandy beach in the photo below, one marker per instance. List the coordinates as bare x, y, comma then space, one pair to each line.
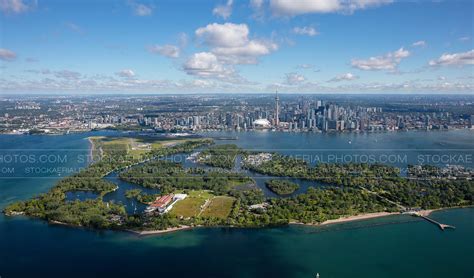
156, 232
358, 217
349, 218
91, 147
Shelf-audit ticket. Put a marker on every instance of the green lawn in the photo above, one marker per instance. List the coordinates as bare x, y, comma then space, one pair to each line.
219, 207
191, 206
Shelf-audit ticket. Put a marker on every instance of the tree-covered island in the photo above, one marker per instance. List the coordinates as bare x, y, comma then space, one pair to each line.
217, 197
282, 187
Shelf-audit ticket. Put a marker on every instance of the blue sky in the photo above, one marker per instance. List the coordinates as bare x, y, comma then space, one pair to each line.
256, 46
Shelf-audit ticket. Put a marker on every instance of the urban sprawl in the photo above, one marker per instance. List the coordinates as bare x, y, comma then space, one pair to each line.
312, 113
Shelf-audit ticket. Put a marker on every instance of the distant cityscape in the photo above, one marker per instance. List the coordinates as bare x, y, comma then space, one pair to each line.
295, 113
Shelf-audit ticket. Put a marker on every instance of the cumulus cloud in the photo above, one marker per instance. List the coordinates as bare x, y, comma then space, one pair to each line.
7, 55
293, 78
389, 61
454, 59
306, 30
206, 65
167, 50
230, 43
344, 77
125, 73
293, 8
245, 54
223, 11
140, 9
223, 35
16, 6
419, 44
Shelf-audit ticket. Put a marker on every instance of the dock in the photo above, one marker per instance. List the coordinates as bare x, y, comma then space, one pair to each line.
440, 225
411, 212
431, 220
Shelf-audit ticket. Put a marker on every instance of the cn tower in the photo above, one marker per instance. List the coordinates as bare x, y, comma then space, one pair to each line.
277, 119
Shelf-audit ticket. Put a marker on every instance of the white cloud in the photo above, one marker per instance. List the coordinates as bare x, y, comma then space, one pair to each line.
7, 55
289, 7
306, 30
140, 9
454, 59
344, 77
125, 73
224, 35
223, 11
230, 43
389, 61
419, 44
294, 79
167, 50
15, 6
245, 54
464, 39
206, 64
353, 5
292, 8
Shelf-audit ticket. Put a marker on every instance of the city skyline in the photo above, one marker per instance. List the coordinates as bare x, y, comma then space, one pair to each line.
330, 46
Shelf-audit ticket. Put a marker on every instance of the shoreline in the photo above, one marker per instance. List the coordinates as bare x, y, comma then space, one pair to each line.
344, 219
372, 215
91, 147
157, 232
360, 217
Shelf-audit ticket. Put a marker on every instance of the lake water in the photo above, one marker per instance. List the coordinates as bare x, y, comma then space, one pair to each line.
398, 246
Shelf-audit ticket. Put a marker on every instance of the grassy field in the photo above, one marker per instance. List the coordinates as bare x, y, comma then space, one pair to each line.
220, 207
191, 206
134, 147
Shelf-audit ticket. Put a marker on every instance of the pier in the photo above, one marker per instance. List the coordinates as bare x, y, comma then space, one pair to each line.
414, 213
440, 225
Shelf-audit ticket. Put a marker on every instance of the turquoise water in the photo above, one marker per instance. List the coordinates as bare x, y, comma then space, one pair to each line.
398, 246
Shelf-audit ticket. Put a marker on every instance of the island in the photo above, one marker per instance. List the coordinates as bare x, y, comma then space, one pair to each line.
219, 196
282, 187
